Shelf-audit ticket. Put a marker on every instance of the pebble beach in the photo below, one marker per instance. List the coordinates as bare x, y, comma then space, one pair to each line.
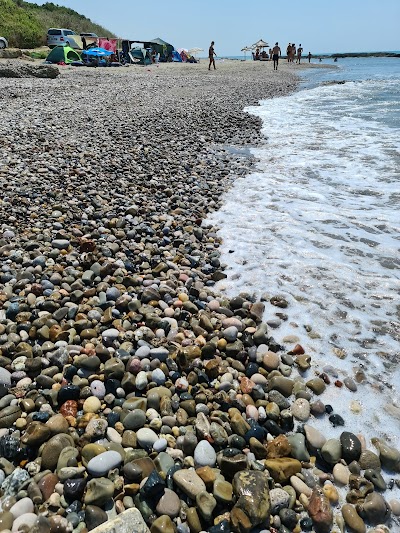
133, 396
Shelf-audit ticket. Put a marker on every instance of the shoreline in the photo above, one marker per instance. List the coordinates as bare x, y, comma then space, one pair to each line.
109, 277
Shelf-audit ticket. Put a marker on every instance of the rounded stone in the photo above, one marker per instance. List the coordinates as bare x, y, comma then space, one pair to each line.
159, 446
98, 389
23, 506
353, 519
351, 447
331, 451
169, 504
91, 405
204, 454
26, 521
279, 500
103, 463
301, 409
314, 437
146, 437
134, 420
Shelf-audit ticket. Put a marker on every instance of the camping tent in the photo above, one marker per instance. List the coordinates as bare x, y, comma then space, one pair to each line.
140, 56
63, 54
176, 57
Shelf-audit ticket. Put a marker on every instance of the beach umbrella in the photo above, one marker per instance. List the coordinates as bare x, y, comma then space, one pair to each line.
260, 44
246, 49
194, 51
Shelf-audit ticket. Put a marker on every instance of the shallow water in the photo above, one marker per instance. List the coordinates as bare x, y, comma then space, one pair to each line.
318, 223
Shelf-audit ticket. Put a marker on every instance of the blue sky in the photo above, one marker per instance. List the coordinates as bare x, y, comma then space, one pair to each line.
321, 26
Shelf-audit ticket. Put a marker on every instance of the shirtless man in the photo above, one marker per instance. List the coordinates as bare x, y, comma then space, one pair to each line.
289, 52
299, 52
276, 52
293, 52
211, 55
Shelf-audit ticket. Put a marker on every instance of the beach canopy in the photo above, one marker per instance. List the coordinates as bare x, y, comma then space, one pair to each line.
247, 49
63, 54
97, 52
160, 46
194, 51
260, 44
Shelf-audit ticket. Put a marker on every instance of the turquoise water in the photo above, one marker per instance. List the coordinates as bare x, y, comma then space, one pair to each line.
318, 223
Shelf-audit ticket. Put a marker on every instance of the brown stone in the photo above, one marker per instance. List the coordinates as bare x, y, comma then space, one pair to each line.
281, 469
240, 521
36, 434
207, 474
256, 447
246, 385
162, 524
53, 448
253, 503
320, 511
193, 520
279, 447
47, 485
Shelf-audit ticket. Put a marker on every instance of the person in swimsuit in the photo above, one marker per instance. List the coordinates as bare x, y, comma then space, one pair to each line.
211, 55
276, 52
289, 52
309, 57
299, 52
293, 53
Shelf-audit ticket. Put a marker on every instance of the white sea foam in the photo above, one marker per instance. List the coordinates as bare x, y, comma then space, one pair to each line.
318, 223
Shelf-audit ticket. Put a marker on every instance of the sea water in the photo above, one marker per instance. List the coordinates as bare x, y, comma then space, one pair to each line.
318, 223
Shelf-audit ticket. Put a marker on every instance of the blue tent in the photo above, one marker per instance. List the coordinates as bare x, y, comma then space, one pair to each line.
176, 57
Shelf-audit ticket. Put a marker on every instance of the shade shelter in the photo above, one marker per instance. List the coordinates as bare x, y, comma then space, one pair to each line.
160, 46
195, 51
260, 44
246, 49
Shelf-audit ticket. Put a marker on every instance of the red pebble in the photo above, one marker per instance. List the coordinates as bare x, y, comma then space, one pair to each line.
69, 408
297, 350
338, 384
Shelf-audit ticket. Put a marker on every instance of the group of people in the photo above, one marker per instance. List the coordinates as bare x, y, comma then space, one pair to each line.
292, 53
274, 54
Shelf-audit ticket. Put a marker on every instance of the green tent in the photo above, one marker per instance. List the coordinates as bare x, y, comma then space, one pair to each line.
64, 54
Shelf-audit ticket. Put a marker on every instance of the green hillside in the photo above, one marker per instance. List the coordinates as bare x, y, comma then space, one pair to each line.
25, 25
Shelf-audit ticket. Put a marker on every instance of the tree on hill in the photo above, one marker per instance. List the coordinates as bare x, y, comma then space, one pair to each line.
25, 24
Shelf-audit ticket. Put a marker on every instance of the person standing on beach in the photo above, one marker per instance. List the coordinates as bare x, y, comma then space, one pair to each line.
299, 52
276, 52
293, 55
211, 54
309, 57
289, 52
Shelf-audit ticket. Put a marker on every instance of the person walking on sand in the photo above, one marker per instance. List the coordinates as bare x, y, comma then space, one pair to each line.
276, 52
299, 52
211, 54
289, 52
293, 52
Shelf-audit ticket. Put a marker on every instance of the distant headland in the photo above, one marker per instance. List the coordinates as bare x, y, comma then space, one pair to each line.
361, 54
